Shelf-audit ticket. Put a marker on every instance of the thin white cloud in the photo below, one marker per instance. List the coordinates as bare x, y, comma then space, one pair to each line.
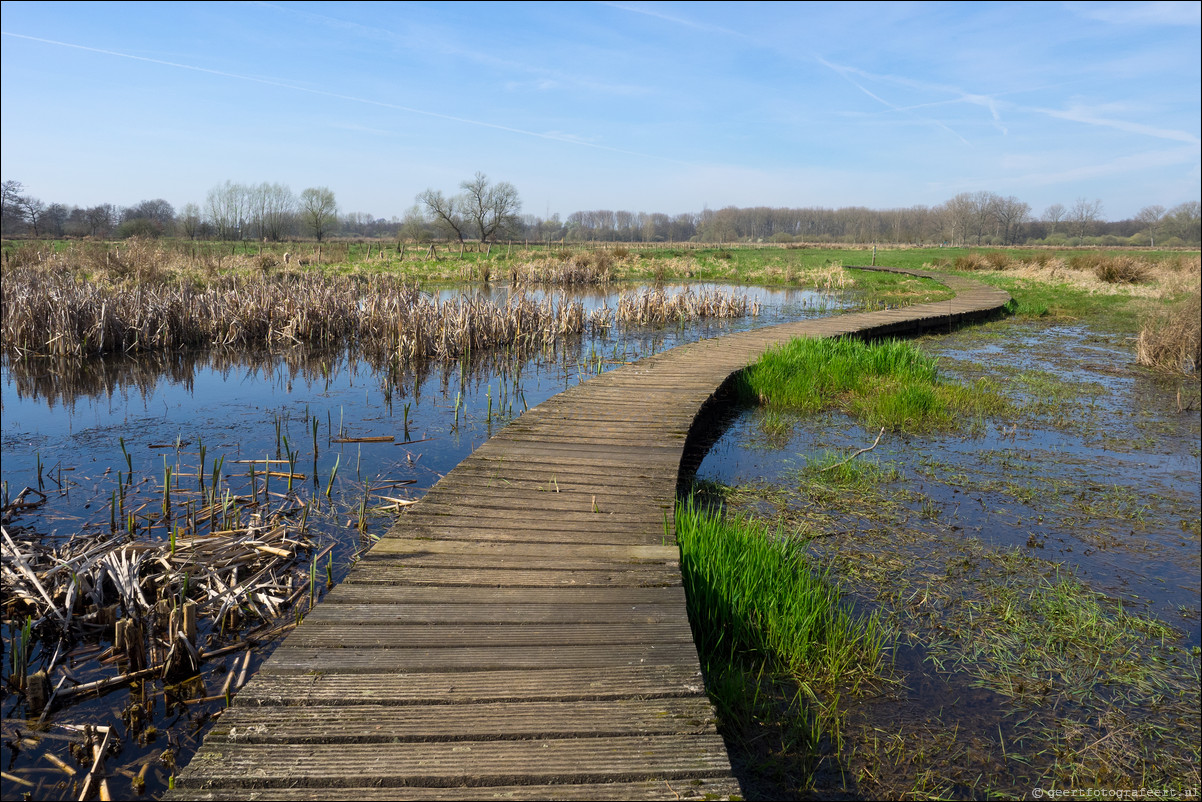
1187, 14
688, 23
431, 39
573, 140
1086, 116
846, 74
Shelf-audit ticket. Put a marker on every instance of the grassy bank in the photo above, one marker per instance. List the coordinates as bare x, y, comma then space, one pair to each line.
777, 645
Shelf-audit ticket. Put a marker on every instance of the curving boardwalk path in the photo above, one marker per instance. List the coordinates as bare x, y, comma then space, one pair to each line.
521, 632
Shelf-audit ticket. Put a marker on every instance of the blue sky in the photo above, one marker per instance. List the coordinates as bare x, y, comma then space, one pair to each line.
657, 107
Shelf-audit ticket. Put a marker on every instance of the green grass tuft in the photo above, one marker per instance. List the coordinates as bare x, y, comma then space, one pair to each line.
889, 383
754, 596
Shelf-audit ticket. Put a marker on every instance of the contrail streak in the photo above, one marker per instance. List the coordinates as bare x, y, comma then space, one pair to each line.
338, 96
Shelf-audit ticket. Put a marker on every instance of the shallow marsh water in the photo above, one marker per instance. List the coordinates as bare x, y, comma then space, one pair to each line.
68, 434
1099, 470
1040, 573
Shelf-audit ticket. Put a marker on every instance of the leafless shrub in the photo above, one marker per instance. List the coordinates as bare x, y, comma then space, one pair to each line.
1170, 339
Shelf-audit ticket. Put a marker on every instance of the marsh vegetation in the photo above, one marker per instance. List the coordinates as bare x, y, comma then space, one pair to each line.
337, 384
1032, 558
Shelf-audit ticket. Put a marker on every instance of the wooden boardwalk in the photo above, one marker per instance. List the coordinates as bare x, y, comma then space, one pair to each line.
521, 632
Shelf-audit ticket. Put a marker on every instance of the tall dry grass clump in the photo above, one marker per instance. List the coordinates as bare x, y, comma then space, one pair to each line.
1116, 269
1171, 338
990, 260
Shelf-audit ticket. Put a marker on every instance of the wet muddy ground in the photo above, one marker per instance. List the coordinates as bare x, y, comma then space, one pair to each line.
1039, 573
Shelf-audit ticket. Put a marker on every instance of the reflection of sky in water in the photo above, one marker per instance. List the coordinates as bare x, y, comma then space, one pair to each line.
1133, 451
232, 403
775, 301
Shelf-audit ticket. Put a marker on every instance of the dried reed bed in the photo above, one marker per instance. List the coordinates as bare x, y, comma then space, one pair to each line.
572, 268
655, 307
50, 309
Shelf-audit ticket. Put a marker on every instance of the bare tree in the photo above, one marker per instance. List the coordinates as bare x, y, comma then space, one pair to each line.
33, 211
1084, 214
492, 208
272, 209
190, 220
1010, 214
226, 208
100, 219
13, 216
1150, 217
1185, 222
149, 218
445, 211
961, 212
318, 211
483, 208
1054, 214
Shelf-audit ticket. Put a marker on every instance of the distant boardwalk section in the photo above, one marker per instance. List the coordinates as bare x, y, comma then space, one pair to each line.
521, 632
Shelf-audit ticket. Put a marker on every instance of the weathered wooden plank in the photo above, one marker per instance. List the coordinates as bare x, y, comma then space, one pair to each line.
642, 680
404, 547
527, 598
577, 760
470, 658
340, 635
640, 576
696, 788
348, 615
513, 531
484, 721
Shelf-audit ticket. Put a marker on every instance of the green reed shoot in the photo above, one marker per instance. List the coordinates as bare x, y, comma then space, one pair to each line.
312, 580
333, 473
166, 490
291, 456
129, 461
216, 483
19, 654
200, 473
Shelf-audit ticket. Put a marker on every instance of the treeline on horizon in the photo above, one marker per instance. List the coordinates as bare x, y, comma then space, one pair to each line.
272, 212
